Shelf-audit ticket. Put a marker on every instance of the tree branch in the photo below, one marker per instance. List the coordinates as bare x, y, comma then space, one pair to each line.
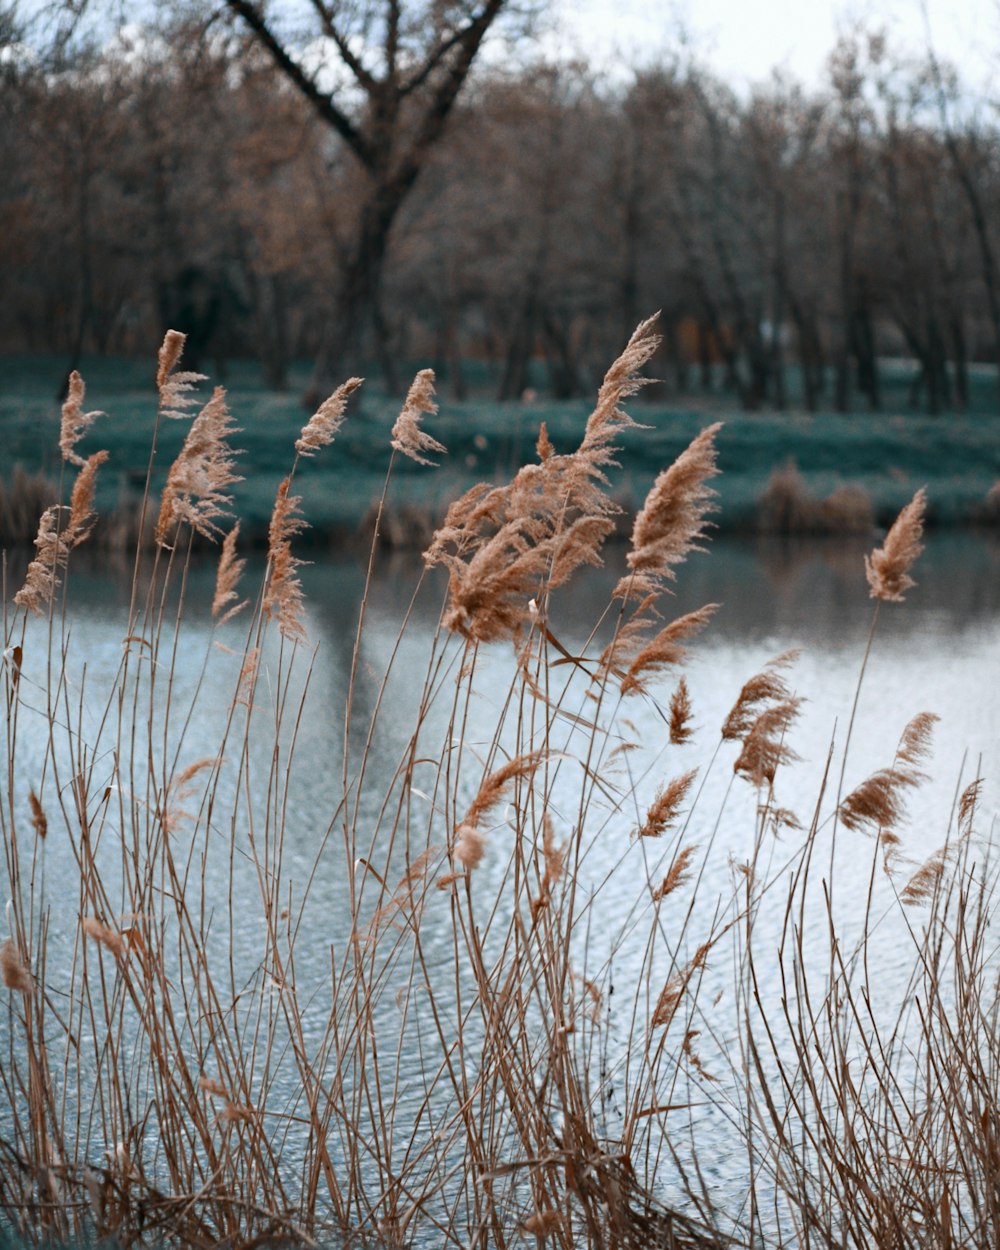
321, 101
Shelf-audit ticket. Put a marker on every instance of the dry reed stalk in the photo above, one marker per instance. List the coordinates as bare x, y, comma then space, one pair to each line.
13, 970
407, 436
665, 808
888, 567
323, 426
226, 602
195, 492
175, 388
75, 422
554, 858
680, 715
247, 678
283, 599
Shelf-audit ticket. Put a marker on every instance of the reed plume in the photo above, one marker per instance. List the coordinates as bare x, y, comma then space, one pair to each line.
322, 427
494, 786
554, 857
888, 567
175, 388
677, 875
407, 436
75, 422
674, 517
14, 971
39, 820
201, 475
673, 991
877, 804
666, 806
104, 935
226, 601
283, 599
765, 747
662, 651
506, 546
56, 539
768, 686
680, 715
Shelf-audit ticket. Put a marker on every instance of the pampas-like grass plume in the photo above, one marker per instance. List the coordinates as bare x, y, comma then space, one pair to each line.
225, 602
765, 747
175, 388
56, 540
505, 546
677, 874
13, 970
673, 990
663, 650
196, 487
888, 567
407, 436
470, 846
765, 687
323, 425
680, 715
103, 934
673, 518
75, 422
665, 807
283, 597
494, 786
555, 864
39, 820
877, 803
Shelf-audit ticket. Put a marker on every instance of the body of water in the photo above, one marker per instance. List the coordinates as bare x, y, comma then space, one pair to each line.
937, 653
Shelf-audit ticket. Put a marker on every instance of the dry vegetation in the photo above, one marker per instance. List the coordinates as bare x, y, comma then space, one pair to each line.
174, 1066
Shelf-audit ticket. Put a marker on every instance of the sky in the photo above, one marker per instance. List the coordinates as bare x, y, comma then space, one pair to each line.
745, 40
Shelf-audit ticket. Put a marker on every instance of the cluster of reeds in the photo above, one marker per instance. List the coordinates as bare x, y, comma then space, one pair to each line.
787, 506
407, 1029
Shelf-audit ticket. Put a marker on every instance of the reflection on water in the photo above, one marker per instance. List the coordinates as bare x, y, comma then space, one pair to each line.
940, 652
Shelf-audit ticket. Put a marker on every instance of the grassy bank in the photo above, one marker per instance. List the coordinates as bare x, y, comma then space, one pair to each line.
409, 1028
881, 458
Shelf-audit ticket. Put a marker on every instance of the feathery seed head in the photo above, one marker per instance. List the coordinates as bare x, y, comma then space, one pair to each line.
13, 970
283, 599
323, 425
888, 567
407, 436
75, 422
175, 388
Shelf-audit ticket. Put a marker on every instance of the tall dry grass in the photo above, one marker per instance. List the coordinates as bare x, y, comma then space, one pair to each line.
175, 1068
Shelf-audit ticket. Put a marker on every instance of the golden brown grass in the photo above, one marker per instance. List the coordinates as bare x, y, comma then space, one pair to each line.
293, 1003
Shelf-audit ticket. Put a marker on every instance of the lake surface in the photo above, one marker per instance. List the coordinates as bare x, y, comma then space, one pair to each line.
939, 652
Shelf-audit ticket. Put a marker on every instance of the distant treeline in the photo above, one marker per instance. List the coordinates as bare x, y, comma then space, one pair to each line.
792, 240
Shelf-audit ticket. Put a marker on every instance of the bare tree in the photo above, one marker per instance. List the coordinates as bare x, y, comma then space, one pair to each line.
396, 73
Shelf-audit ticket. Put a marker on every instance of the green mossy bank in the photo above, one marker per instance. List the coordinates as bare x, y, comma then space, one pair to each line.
887, 456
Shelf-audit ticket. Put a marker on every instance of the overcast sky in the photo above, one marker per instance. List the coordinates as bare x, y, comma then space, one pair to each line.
744, 40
